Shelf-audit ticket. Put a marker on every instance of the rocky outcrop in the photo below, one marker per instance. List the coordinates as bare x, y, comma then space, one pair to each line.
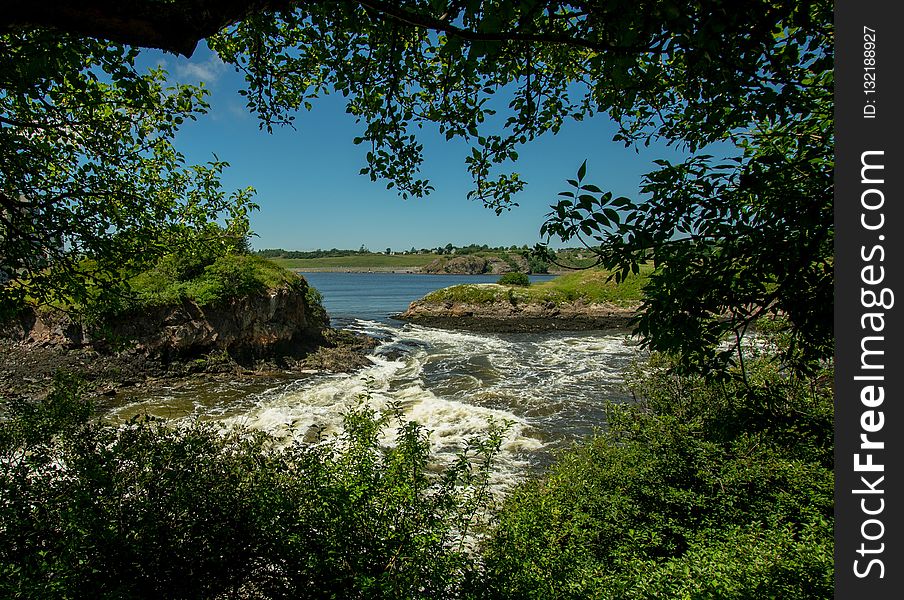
508, 316
278, 321
515, 263
459, 265
477, 265
267, 333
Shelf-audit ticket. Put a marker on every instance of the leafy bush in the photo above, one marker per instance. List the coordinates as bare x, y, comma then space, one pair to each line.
514, 279
150, 510
537, 264
701, 490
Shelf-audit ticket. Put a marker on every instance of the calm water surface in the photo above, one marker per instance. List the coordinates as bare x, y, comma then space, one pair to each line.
374, 296
549, 388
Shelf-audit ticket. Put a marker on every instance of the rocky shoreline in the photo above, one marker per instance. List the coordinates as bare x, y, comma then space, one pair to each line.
273, 333
508, 317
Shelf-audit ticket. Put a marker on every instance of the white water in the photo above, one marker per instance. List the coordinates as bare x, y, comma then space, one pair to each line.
549, 389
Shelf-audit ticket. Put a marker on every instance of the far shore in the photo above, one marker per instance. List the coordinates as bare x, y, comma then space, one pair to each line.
403, 270
358, 270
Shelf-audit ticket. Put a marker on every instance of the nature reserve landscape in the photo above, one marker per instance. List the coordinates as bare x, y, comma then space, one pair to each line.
199, 400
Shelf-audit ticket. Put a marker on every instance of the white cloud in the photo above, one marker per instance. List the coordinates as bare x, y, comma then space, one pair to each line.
208, 70
230, 110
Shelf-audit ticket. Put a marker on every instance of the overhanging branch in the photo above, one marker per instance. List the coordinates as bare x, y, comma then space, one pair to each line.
178, 26
173, 26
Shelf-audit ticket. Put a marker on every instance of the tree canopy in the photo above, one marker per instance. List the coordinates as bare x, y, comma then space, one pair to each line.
86, 139
91, 187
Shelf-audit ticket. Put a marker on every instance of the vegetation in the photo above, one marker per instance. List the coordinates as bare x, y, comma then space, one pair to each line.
520, 279
700, 490
93, 511
92, 190
204, 275
439, 250
207, 280
718, 484
738, 237
591, 286
339, 259
358, 261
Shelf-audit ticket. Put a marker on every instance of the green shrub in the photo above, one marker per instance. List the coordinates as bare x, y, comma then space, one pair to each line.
537, 264
151, 510
514, 279
701, 490
224, 277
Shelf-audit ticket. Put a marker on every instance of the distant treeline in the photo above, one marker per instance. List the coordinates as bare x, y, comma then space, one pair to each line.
280, 253
447, 249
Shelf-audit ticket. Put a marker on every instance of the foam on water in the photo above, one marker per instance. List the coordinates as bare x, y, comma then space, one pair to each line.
545, 389
304, 410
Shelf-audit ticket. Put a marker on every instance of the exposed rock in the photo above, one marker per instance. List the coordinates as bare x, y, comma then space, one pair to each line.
276, 330
515, 263
506, 316
459, 265
477, 265
342, 352
247, 328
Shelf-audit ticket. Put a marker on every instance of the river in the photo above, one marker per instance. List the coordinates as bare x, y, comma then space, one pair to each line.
548, 388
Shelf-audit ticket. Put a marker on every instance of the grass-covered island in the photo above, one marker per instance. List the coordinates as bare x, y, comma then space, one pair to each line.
471, 259
587, 299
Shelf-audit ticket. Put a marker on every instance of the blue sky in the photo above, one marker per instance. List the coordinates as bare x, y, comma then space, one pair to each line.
311, 195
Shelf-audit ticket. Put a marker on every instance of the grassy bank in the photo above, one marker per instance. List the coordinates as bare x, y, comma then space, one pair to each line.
358, 261
208, 280
382, 261
591, 286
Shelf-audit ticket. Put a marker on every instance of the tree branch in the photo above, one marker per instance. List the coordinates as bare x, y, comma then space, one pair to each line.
179, 26
426, 21
173, 26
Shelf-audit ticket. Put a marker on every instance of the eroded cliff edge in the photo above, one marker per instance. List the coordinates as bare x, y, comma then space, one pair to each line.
273, 330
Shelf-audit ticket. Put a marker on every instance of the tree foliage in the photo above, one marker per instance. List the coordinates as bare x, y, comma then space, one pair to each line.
706, 489
736, 235
700, 490
154, 510
91, 186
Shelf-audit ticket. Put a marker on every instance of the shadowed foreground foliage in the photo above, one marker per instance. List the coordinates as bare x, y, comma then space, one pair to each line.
149, 510
700, 490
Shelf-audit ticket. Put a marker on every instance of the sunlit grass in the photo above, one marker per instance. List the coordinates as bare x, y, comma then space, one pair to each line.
359, 261
591, 286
